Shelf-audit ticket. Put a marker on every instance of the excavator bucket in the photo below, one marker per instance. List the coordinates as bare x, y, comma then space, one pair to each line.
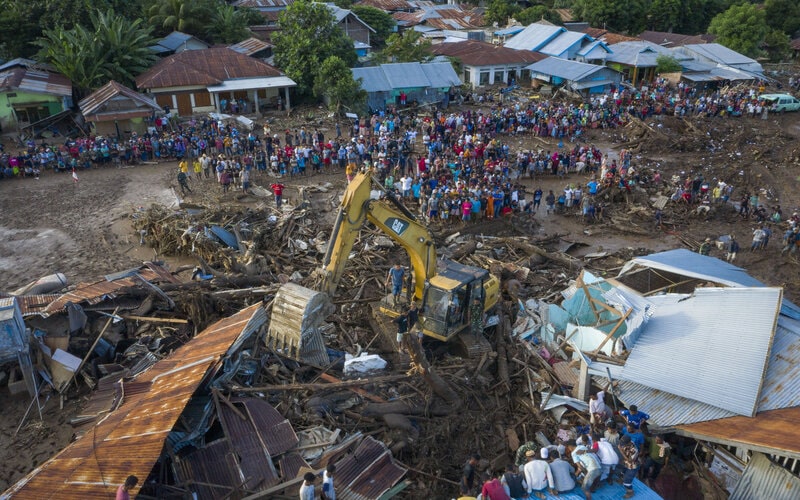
294, 328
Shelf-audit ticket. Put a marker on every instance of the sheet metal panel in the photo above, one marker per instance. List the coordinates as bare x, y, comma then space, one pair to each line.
375, 480
692, 264
275, 430
405, 75
710, 367
440, 75
534, 37
213, 464
112, 90
254, 461
781, 387
130, 439
563, 42
350, 468
764, 480
568, 70
291, 464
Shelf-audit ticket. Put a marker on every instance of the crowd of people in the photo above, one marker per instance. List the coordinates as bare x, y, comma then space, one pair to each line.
614, 449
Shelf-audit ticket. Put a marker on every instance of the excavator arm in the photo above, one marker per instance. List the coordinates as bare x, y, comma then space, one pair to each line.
356, 207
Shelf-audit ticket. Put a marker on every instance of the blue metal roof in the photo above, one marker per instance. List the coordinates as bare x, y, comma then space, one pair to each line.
563, 42
639, 54
511, 30
692, 264
440, 74
562, 68
608, 492
386, 77
405, 75
534, 36
372, 79
687, 349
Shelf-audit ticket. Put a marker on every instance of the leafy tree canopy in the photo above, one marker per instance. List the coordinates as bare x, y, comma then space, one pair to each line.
684, 16
626, 16
537, 13
335, 82
778, 45
308, 36
409, 46
114, 48
380, 21
188, 16
741, 28
667, 64
229, 25
499, 11
783, 15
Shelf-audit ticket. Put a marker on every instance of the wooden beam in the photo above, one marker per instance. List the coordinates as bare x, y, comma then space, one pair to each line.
155, 320
333, 383
614, 330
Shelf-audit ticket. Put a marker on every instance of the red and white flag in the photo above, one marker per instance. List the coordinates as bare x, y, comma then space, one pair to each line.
74, 175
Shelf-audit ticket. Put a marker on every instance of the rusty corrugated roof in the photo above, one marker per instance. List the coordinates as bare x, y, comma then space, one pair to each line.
254, 463
113, 99
35, 80
263, 4
250, 46
207, 471
212, 66
368, 473
387, 5
31, 305
476, 53
274, 429
98, 291
130, 439
292, 463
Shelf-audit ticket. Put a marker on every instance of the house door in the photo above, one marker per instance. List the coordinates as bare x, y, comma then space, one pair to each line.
184, 104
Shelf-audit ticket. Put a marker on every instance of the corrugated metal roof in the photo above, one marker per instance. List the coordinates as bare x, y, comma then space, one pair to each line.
690, 344
562, 68
253, 460
405, 75
594, 45
534, 36
99, 290
255, 4
130, 439
372, 79
116, 97
781, 387
291, 463
387, 5
441, 75
775, 432
209, 470
511, 30
670, 39
692, 264
475, 53
764, 480
36, 81
275, 430
368, 473
386, 77
30, 305
203, 67
563, 42
175, 39
638, 54
250, 46
720, 53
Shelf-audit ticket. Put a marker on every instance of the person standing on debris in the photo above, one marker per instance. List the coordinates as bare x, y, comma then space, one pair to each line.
493, 489
538, 474
277, 190
123, 491
609, 459
307, 489
550, 200
328, 492
635, 417
733, 249
246, 181
758, 239
476, 316
635, 434
402, 327
657, 457
630, 460
598, 412
395, 276
183, 181
469, 475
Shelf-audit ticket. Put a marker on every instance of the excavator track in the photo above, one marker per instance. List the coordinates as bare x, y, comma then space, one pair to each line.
472, 346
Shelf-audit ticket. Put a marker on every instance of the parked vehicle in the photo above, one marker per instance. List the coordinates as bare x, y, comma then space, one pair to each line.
782, 102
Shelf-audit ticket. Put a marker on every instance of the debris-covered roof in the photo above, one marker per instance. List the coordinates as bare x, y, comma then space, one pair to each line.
130, 439
34, 79
250, 46
764, 479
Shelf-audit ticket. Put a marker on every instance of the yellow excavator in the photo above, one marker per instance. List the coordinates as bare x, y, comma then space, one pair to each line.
442, 288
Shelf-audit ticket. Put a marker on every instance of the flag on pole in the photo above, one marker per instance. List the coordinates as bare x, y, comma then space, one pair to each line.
74, 175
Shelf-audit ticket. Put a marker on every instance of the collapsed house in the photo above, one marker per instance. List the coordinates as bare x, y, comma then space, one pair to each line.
707, 351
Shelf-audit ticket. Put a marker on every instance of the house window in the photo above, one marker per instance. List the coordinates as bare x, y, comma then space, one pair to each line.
499, 77
484, 78
467, 76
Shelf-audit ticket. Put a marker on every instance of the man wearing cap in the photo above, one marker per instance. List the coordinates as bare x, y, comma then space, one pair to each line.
538, 474
630, 461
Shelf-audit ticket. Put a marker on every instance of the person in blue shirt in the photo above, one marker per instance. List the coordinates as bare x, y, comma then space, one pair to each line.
635, 434
395, 276
635, 417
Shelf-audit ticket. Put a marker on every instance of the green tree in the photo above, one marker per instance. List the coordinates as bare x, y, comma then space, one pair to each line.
628, 16
667, 64
499, 11
308, 36
783, 15
229, 25
741, 28
683, 16
409, 46
537, 13
335, 82
187, 16
113, 49
344, 4
778, 45
380, 21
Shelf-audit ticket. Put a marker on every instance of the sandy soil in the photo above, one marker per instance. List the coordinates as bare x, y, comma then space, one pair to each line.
82, 230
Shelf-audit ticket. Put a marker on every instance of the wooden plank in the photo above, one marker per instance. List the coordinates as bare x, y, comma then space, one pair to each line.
155, 320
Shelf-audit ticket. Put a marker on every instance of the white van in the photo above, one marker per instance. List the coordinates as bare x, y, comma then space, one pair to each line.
781, 102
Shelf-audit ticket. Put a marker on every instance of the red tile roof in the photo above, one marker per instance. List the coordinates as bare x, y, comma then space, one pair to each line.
476, 53
212, 66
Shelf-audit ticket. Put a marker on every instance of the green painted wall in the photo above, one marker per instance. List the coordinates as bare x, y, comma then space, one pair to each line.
7, 120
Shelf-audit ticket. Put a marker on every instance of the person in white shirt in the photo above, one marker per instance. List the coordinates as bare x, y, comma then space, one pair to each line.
608, 459
405, 185
538, 475
307, 489
597, 407
328, 493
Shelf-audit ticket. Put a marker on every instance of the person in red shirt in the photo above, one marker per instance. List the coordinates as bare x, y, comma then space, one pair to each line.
277, 189
123, 491
493, 490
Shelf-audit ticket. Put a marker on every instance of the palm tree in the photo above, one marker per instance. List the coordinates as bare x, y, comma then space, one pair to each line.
228, 25
126, 46
186, 16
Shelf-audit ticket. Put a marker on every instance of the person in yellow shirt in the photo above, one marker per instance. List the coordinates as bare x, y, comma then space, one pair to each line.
183, 166
198, 169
